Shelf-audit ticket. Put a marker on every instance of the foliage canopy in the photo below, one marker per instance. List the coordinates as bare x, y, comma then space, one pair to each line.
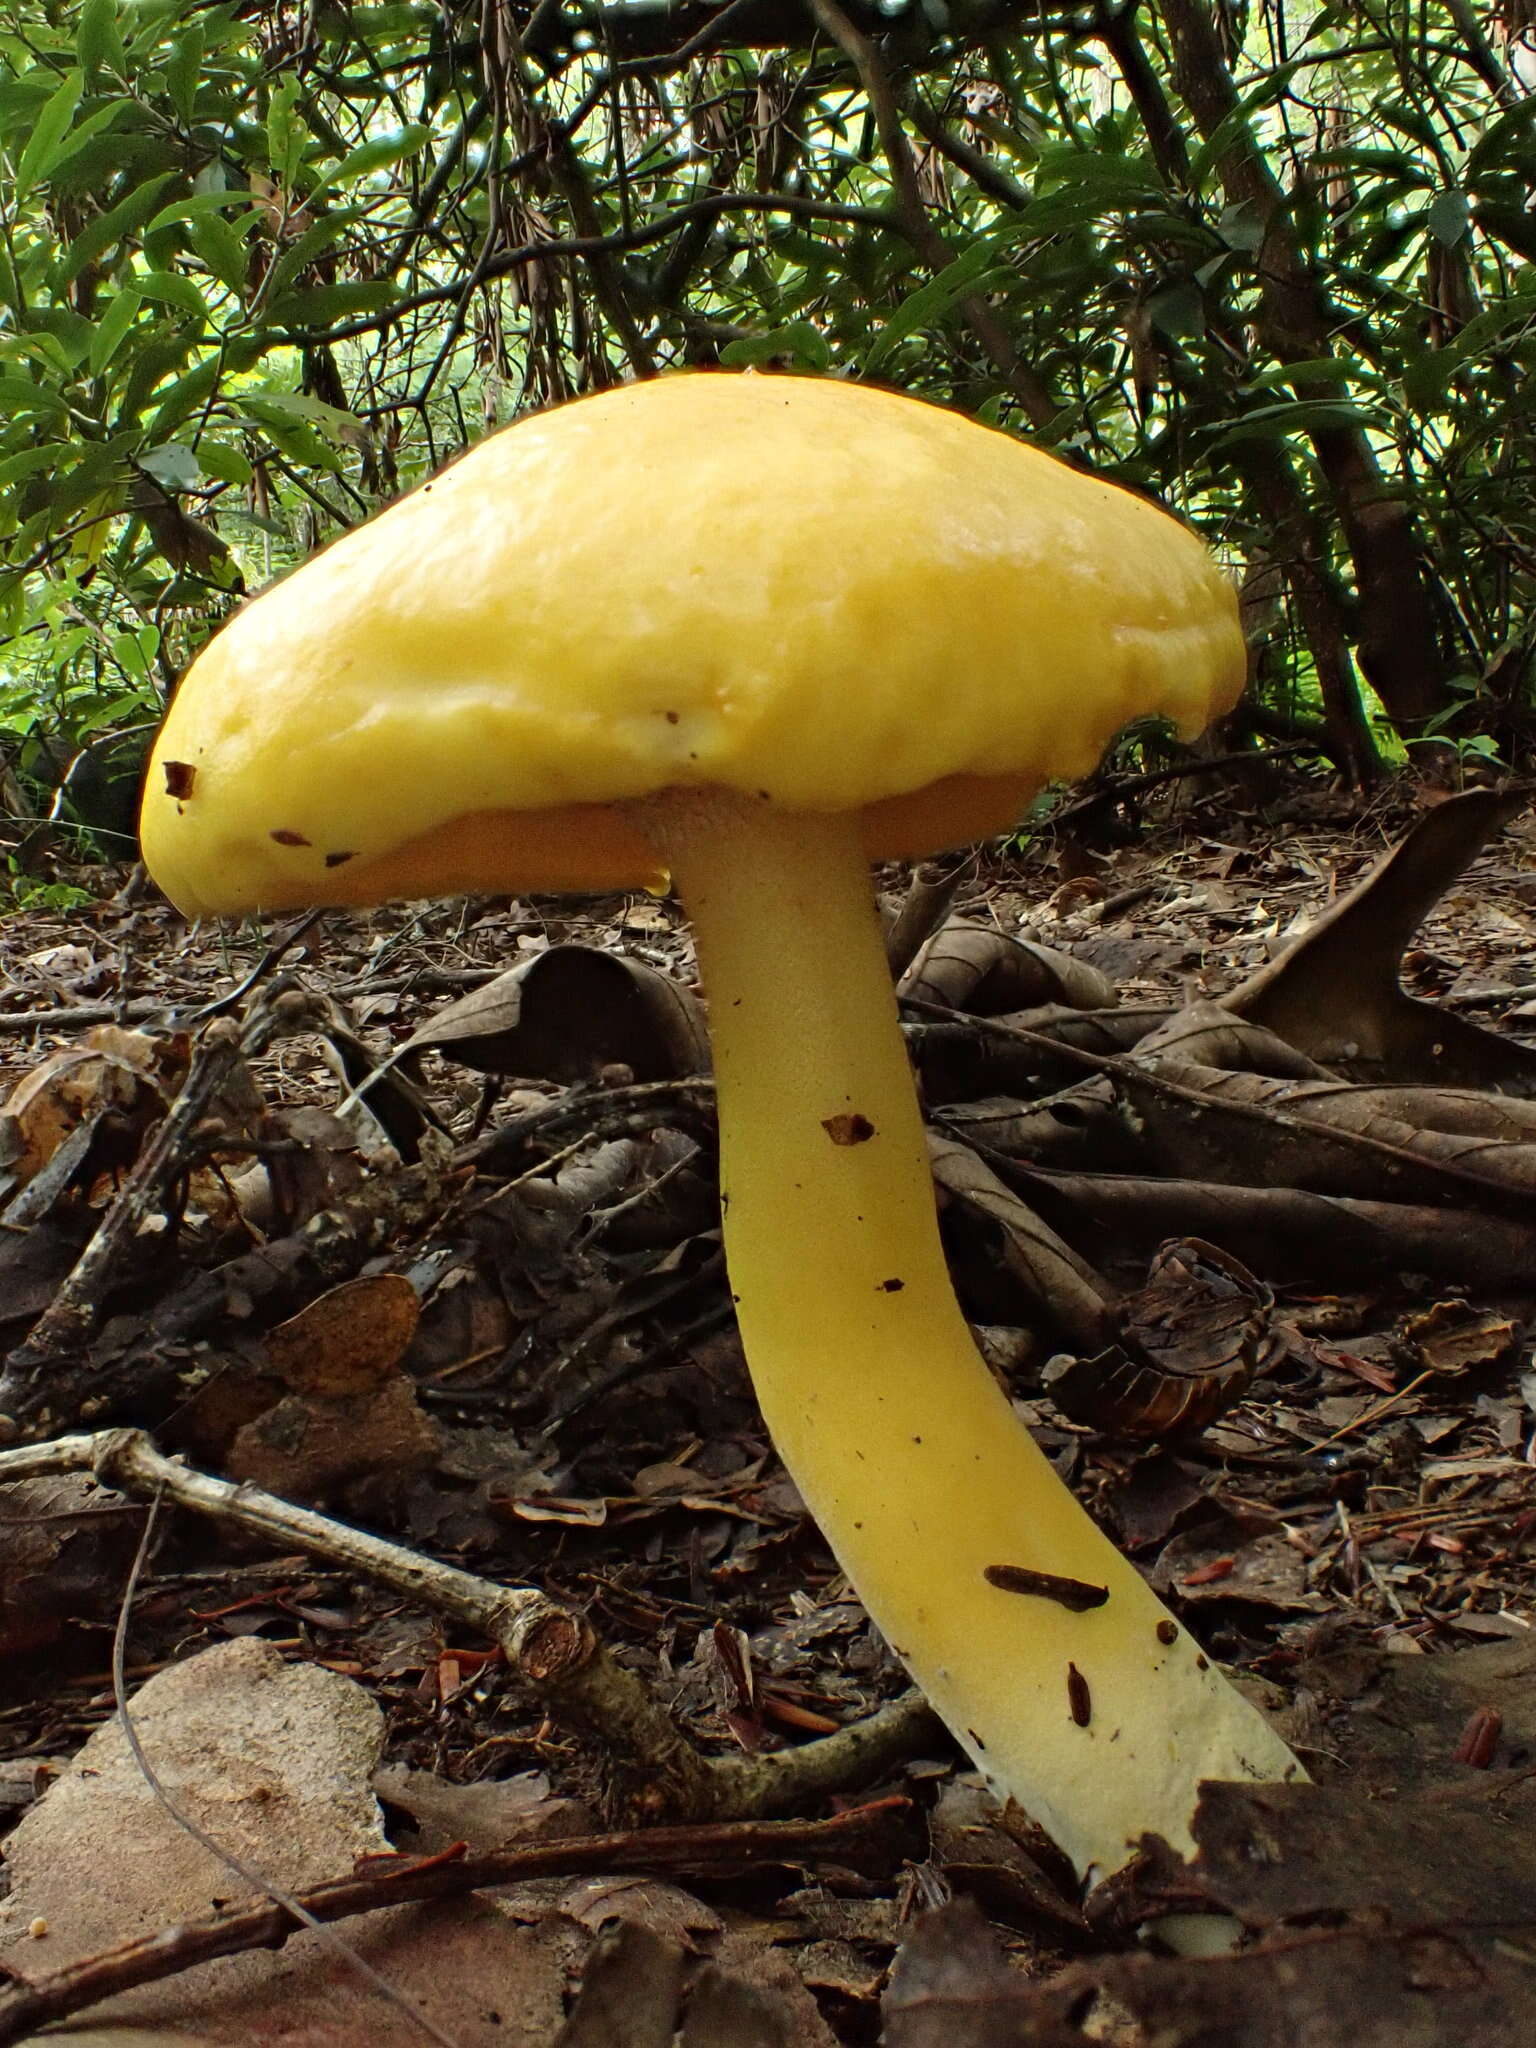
262, 265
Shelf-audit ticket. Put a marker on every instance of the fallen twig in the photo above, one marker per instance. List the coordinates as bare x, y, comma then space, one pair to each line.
1336, 1235
273, 1893
34, 1375
1116, 789
653, 1769
864, 1834
594, 1109
1132, 1074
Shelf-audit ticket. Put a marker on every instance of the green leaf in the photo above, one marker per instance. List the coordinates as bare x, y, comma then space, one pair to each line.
48, 133
68, 336
1506, 134
1515, 226
294, 438
183, 69
342, 426
932, 301
128, 655
172, 288
1123, 179
160, 352
111, 328
98, 42
300, 254
27, 461
221, 248
1241, 229
1178, 311
1235, 130
799, 340
1409, 120
1518, 310
183, 398
377, 155
1426, 379
1298, 416
223, 461
110, 228
1447, 218
285, 133
75, 154
1428, 375
1319, 370
328, 303
193, 205
20, 396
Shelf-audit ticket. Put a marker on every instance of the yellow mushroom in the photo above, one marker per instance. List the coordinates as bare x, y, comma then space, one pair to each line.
749, 632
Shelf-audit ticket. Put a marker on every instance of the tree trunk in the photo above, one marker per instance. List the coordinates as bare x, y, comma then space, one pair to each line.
1402, 608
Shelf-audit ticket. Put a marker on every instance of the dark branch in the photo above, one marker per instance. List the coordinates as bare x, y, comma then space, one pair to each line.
642, 237
644, 32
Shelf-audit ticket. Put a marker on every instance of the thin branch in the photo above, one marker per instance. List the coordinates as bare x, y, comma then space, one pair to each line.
32, 1374
1039, 407
652, 1767
866, 1835
283, 1901
660, 230
984, 171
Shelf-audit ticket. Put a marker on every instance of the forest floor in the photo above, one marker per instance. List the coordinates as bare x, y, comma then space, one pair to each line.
512, 1351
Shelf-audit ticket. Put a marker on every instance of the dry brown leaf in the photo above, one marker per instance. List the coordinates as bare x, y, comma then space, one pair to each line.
1324, 1990
1291, 1140
1452, 1336
349, 1411
348, 1340
108, 1070
273, 1759
1064, 1285
630, 1992
723, 2012
308, 1447
1335, 993
951, 1988
567, 1013
1325, 1236
967, 966
1194, 1337
65, 1544
1236, 1557
1083, 1128
1461, 1855
1209, 1035
959, 1062
981, 1855
315, 1161
488, 1815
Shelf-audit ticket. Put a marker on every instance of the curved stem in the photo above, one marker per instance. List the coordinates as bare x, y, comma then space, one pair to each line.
905, 1448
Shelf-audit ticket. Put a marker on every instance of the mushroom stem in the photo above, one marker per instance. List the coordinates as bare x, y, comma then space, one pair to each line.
904, 1447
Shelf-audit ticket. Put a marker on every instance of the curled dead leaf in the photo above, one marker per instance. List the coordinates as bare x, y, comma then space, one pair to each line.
967, 966
1193, 1339
566, 1013
1453, 1336
124, 1074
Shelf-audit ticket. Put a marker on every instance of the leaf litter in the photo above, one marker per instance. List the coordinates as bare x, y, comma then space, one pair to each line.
486, 1316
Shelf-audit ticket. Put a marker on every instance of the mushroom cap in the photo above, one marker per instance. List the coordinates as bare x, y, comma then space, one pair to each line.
827, 594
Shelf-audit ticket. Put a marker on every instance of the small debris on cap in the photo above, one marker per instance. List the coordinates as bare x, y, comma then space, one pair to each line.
1075, 1594
848, 1129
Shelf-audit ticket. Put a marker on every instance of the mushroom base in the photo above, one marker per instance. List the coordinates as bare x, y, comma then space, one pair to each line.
905, 1448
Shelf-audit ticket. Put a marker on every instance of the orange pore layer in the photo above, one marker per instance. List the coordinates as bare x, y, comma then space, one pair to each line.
590, 848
